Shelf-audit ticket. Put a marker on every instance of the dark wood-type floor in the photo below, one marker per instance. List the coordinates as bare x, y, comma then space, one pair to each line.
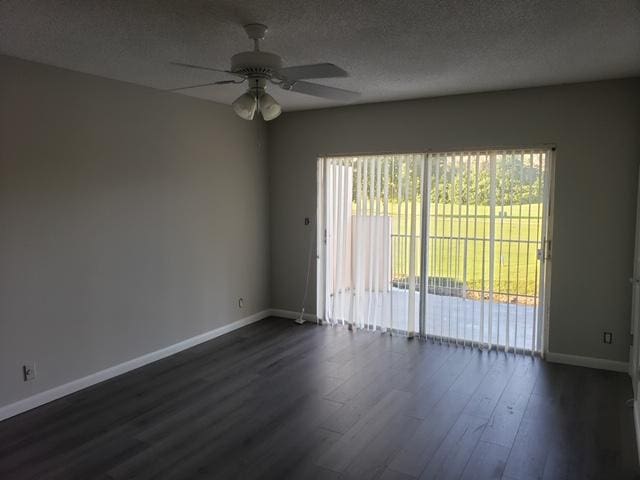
277, 400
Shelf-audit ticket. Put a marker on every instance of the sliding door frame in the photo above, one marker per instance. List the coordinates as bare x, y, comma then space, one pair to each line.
546, 236
424, 255
321, 240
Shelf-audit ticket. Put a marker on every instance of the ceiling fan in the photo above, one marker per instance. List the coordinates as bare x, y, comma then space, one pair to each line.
257, 68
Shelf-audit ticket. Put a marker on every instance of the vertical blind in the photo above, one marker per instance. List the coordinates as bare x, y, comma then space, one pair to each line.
484, 253
448, 245
367, 200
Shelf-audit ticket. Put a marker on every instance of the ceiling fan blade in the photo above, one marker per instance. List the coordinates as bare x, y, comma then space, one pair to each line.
222, 82
318, 70
322, 91
199, 67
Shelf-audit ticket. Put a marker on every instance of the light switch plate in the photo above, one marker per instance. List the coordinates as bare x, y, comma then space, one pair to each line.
29, 372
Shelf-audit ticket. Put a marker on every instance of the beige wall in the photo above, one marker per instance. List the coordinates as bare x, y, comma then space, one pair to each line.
596, 129
130, 219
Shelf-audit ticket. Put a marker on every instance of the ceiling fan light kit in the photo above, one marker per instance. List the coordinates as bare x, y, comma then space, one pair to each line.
245, 106
258, 67
269, 108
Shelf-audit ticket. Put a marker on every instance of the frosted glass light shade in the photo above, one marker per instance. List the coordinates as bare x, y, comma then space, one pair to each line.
245, 106
269, 108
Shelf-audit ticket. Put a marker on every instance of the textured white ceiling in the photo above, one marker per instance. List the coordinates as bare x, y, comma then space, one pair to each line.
393, 49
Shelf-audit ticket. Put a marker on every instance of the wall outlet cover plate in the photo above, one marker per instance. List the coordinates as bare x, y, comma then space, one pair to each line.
29, 372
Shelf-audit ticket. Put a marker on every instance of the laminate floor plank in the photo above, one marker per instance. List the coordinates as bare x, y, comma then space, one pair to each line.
487, 462
451, 457
390, 474
283, 401
439, 420
373, 460
487, 395
506, 416
358, 437
431, 392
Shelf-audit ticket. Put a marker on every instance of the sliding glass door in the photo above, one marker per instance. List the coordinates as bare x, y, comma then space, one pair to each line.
452, 245
370, 241
485, 253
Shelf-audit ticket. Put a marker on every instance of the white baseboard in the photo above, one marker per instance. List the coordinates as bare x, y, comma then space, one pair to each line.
75, 385
636, 422
309, 317
63, 390
590, 362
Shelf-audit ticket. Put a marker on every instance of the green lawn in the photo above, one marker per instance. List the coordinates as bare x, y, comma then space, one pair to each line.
515, 265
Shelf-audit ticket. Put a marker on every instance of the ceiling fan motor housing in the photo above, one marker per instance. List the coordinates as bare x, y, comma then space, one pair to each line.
256, 63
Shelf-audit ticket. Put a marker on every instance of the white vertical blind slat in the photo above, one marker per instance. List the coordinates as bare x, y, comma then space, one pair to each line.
492, 236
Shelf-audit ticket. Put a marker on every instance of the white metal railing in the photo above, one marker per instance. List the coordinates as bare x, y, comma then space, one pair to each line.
452, 286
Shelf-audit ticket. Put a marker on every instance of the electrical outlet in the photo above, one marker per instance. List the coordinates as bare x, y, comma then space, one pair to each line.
607, 337
29, 372
240, 302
